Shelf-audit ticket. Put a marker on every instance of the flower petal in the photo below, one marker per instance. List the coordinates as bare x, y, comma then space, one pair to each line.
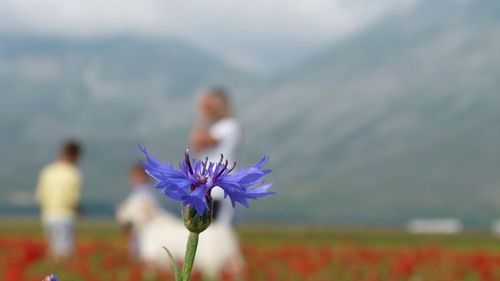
197, 200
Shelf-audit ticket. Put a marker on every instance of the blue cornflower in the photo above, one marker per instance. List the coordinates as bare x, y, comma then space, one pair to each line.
194, 180
51, 277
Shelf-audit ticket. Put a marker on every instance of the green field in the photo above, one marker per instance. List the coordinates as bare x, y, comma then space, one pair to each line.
278, 252
108, 229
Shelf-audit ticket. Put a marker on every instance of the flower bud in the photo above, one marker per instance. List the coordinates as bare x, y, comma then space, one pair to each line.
51, 277
194, 222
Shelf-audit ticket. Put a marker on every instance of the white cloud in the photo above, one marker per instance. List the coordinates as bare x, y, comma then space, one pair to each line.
257, 29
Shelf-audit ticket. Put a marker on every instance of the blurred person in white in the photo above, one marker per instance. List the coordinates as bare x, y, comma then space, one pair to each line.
216, 131
141, 191
58, 194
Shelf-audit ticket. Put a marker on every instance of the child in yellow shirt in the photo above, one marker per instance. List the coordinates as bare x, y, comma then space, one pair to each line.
58, 194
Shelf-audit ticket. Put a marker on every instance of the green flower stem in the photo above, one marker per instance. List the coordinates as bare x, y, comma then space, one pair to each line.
192, 244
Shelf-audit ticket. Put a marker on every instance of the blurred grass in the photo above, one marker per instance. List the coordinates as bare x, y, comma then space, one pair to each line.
288, 243
276, 234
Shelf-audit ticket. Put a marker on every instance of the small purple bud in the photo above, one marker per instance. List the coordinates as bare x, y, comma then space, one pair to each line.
51, 277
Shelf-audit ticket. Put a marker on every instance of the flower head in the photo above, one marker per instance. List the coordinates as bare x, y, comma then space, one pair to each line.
51, 277
194, 180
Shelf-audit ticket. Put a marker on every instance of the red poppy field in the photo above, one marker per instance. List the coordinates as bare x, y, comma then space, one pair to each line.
285, 253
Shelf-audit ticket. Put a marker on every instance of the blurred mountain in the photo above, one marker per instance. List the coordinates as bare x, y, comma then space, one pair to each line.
112, 93
397, 121
401, 120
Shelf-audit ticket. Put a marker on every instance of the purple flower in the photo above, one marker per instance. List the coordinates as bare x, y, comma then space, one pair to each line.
51, 277
194, 180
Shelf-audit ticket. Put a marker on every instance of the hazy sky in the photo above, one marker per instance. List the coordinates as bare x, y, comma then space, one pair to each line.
258, 34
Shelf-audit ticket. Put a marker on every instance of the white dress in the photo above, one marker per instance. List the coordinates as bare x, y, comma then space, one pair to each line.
227, 132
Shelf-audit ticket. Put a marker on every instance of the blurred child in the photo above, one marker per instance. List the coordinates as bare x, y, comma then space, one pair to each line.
58, 193
216, 132
141, 190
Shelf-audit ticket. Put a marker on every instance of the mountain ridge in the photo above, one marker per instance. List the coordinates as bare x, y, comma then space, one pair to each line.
398, 121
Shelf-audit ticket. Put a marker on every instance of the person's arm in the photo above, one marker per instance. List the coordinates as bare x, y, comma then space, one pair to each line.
76, 189
201, 139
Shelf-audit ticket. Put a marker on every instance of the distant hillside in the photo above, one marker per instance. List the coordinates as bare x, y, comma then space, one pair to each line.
112, 93
399, 121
